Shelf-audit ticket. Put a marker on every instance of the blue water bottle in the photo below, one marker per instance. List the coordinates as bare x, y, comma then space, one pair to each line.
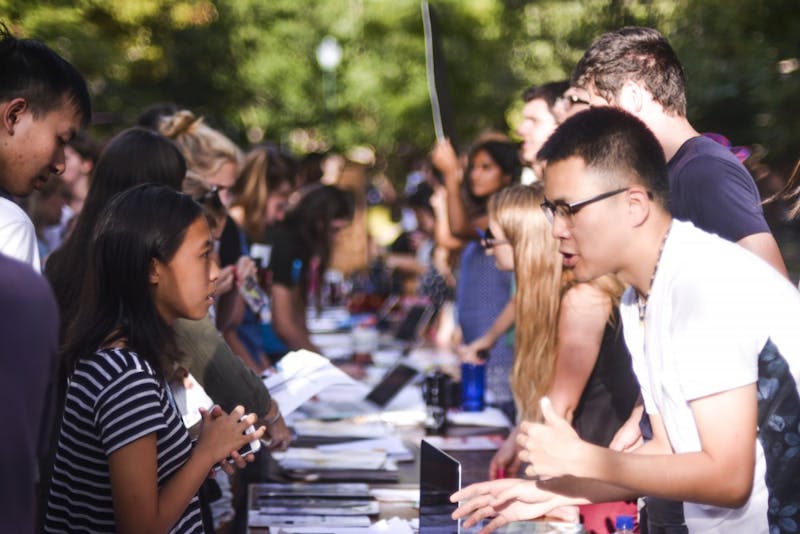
625, 524
473, 379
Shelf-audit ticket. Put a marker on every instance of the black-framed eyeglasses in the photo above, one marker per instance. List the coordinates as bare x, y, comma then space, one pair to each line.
574, 100
488, 240
566, 211
210, 198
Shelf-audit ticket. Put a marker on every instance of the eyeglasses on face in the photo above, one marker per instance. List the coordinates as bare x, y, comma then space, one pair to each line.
566, 211
488, 240
575, 100
210, 198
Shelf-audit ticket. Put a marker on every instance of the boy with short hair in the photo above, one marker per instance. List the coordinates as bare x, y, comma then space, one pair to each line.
43, 102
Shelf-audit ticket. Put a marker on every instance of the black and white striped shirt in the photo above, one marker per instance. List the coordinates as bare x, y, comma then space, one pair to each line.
114, 398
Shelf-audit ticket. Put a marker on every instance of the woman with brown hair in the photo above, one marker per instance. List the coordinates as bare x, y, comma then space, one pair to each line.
261, 195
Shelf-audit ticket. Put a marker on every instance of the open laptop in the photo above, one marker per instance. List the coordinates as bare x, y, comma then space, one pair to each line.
439, 477
374, 401
410, 330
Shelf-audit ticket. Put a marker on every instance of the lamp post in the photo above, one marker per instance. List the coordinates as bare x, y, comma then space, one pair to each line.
329, 55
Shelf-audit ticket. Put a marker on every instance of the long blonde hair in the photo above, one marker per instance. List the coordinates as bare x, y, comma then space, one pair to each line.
206, 150
541, 283
265, 169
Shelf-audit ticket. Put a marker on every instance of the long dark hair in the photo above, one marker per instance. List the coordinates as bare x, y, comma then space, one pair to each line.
311, 212
145, 223
506, 155
134, 156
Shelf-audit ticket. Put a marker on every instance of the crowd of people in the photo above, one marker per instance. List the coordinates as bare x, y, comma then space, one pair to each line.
614, 275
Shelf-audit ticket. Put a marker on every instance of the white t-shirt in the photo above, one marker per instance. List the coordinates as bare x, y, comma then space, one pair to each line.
712, 309
17, 236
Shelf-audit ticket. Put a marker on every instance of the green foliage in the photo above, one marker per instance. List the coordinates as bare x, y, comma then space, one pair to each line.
249, 66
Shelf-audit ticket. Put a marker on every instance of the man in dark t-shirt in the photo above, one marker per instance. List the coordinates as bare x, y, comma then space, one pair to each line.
637, 70
28, 359
711, 188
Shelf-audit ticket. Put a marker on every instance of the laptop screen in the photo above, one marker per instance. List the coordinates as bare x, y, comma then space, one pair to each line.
416, 319
439, 477
391, 384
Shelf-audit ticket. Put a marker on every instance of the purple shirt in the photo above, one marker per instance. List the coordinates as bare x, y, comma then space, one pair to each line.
28, 373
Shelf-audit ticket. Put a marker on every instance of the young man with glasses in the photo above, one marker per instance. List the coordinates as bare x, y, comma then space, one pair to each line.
718, 361
636, 69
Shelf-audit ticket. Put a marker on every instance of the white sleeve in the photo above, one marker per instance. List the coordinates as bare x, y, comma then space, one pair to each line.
18, 241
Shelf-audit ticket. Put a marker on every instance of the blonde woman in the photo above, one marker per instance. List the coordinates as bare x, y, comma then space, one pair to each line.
210, 156
568, 341
213, 160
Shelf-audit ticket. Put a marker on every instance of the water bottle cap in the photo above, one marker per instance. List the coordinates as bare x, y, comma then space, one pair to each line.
625, 522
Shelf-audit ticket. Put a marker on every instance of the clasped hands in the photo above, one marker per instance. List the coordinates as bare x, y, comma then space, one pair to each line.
553, 449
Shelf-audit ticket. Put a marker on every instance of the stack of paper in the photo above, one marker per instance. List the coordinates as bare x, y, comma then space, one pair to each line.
489, 416
325, 507
298, 458
353, 428
301, 375
392, 446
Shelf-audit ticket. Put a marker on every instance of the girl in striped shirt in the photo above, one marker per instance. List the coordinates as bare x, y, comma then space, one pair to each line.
125, 462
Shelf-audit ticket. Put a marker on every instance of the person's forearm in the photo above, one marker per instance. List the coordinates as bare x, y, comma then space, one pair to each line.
222, 373
764, 245
503, 323
580, 491
457, 217
182, 486
236, 345
691, 477
442, 234
293, 335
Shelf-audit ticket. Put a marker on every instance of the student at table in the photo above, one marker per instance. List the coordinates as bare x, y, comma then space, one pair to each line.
301, 249
124, 459
570, 346
484, 304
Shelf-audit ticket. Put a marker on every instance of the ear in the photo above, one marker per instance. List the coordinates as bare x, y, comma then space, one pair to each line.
631, 97
155, 271
639, 205
86, 166
12, 113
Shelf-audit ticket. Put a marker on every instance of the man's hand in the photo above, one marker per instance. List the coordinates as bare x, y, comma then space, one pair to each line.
469, 353
445, 159
553, 448
508, 500
279, 436
505, 462
629, 436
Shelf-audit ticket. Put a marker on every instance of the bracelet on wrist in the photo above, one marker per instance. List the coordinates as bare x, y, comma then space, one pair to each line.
277, 414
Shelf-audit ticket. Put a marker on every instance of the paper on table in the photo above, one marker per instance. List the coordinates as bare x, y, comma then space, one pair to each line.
300, 458
332, 507
391, 445
334, 345
395, 494
466, 443
490, 416
392, 526
301, 375
329, 522
345, 428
